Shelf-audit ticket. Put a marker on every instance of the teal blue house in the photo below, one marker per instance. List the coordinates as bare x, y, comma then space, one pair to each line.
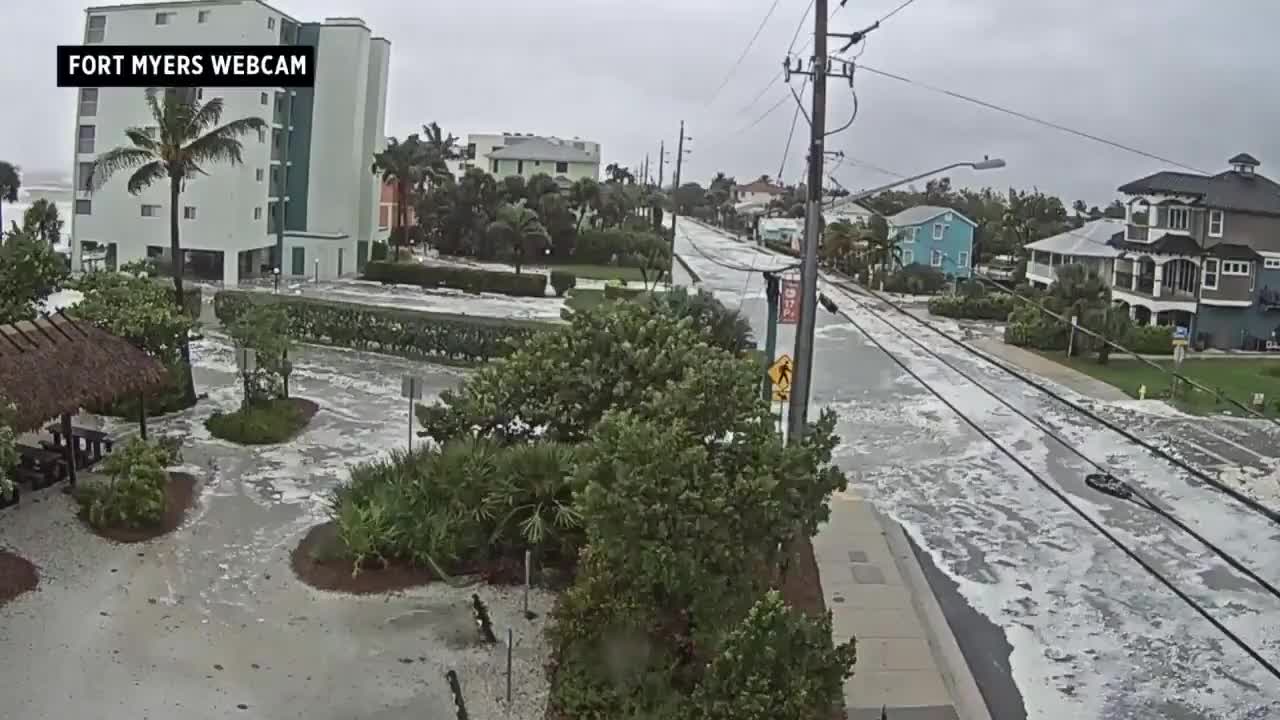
935, 236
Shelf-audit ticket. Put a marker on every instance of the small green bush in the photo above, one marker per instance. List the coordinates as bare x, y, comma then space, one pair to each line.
1149, 340
460, 278
261, 423
782, 247
916, 279
134, 495
562, 281
996, 306
378, 251
1031, 327
626, 248
621, 292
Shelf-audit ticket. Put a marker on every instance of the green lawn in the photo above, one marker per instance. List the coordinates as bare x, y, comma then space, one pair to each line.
1237, 379
602, 272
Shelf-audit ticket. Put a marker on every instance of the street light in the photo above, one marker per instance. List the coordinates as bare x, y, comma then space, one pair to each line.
276, 272
802, 373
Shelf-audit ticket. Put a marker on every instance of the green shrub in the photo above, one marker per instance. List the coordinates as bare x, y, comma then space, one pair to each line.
439, 337
378, 251
996, 306
261, 423
1031, 327
626, 248
134, 494
621, 292
916, 279
562, 281
1149, 340
460, 278
728, 329
782, 247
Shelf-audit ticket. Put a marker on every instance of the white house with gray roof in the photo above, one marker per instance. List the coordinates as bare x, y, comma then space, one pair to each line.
1088, 245
526, 155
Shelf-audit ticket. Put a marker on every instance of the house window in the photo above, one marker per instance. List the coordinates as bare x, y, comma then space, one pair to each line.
85, 138
262, 135
1210, 279
271, 23
519, 167
257, 213
1271, 263
562, 167
384, 217
258, 174
88, 102
150, 211
963, 260
1235, 267
537, 163
97, 29
948, 217
1178, 218
1215, 223
495, 166
84, 171
935, 258
188, 213
908, 257
84, 207
202, 16
909, 235
1139, 213
937, 231
471, 151
163, 18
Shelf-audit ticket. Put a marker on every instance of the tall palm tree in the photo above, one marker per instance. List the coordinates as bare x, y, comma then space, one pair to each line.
42, 220
518, 228
10, 183
438, 148
190, 138
584, 196
402, 164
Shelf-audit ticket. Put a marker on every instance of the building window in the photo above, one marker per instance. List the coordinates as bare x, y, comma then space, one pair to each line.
908, 257
1235, 267
84, 171
1216, 219
562, 167
88, 102
85, 138
188, 213
519, 167
1179, 218
263, 98
257, 213
1139, 213
150, 211
384, 217
202, 16
1271, 263
84, 207
271, 23
97, 29
163, 18
963, 260
495, 166
935, 258
947, 217
471, 151
262, 135
258, 174
937, 231
1210, 279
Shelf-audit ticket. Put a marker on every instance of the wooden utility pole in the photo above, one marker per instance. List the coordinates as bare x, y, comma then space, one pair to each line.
662, 161
675, 206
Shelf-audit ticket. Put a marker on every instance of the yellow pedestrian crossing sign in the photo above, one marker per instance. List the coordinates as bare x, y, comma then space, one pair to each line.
780, 374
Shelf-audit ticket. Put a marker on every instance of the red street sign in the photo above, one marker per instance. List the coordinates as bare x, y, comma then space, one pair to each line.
789, 313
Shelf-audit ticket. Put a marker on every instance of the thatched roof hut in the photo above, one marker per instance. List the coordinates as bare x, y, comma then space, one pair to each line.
55, 365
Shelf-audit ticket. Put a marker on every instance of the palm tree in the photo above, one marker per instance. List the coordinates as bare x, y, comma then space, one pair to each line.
619, 174
402, 165
189, 138
10, 183
42, 220
438, 148
584, 196
1081, 292
518, 228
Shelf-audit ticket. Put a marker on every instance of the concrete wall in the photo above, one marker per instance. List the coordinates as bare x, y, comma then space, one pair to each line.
225, 199
375, 139
529, 168
329, 251
338, 160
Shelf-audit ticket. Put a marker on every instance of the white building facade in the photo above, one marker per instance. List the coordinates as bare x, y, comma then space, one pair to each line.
303, 199
526, 155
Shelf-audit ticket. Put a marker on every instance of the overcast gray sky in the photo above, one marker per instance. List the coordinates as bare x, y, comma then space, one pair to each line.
1185, 79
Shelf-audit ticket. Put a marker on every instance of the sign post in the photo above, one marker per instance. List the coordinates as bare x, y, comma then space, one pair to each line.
1071, 339
247, 364
411, 388
790, 312
1181, 334
780, 374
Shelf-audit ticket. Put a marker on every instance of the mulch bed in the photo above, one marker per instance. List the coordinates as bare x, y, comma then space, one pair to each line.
180, 496
17, 576
317, 562
802, 589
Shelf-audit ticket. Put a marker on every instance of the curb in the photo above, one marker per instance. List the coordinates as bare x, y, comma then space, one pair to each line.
955, 672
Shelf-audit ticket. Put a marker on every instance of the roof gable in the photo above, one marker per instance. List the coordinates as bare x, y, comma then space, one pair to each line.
1228, 190
921, 214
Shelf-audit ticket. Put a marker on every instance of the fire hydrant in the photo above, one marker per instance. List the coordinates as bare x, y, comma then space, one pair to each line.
1142, 392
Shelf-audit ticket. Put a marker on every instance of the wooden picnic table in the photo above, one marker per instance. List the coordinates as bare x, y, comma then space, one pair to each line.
88, 442
40, 467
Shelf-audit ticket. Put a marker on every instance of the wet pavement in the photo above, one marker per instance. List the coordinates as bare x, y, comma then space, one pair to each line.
210, 622
1054, 620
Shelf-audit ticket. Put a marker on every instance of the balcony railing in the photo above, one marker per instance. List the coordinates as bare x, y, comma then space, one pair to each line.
1123, 280
1041, 270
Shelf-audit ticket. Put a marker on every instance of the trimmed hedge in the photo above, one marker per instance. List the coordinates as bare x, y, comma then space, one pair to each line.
378, 251
469, 279
1148, 340
625, 248
439, 337
916, 279
781, 247
562, 281
620, 292
995, 306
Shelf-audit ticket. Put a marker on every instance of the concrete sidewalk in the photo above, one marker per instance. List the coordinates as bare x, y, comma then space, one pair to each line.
908, 659
1055, 371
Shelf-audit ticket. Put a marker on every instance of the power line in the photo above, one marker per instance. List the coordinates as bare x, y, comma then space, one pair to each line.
897, 10
1145, 501
1030, 118
792, 133
1191, 602
800, 26
745, 50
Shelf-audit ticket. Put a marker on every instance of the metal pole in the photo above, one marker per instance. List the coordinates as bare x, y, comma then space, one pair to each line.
528, 557
510, 642
801, 378
662, 161
675, 205
771, 335
411, 389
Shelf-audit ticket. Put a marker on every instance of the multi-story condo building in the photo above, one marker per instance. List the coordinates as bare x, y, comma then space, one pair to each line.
527, 155
303, 200
1197, 251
